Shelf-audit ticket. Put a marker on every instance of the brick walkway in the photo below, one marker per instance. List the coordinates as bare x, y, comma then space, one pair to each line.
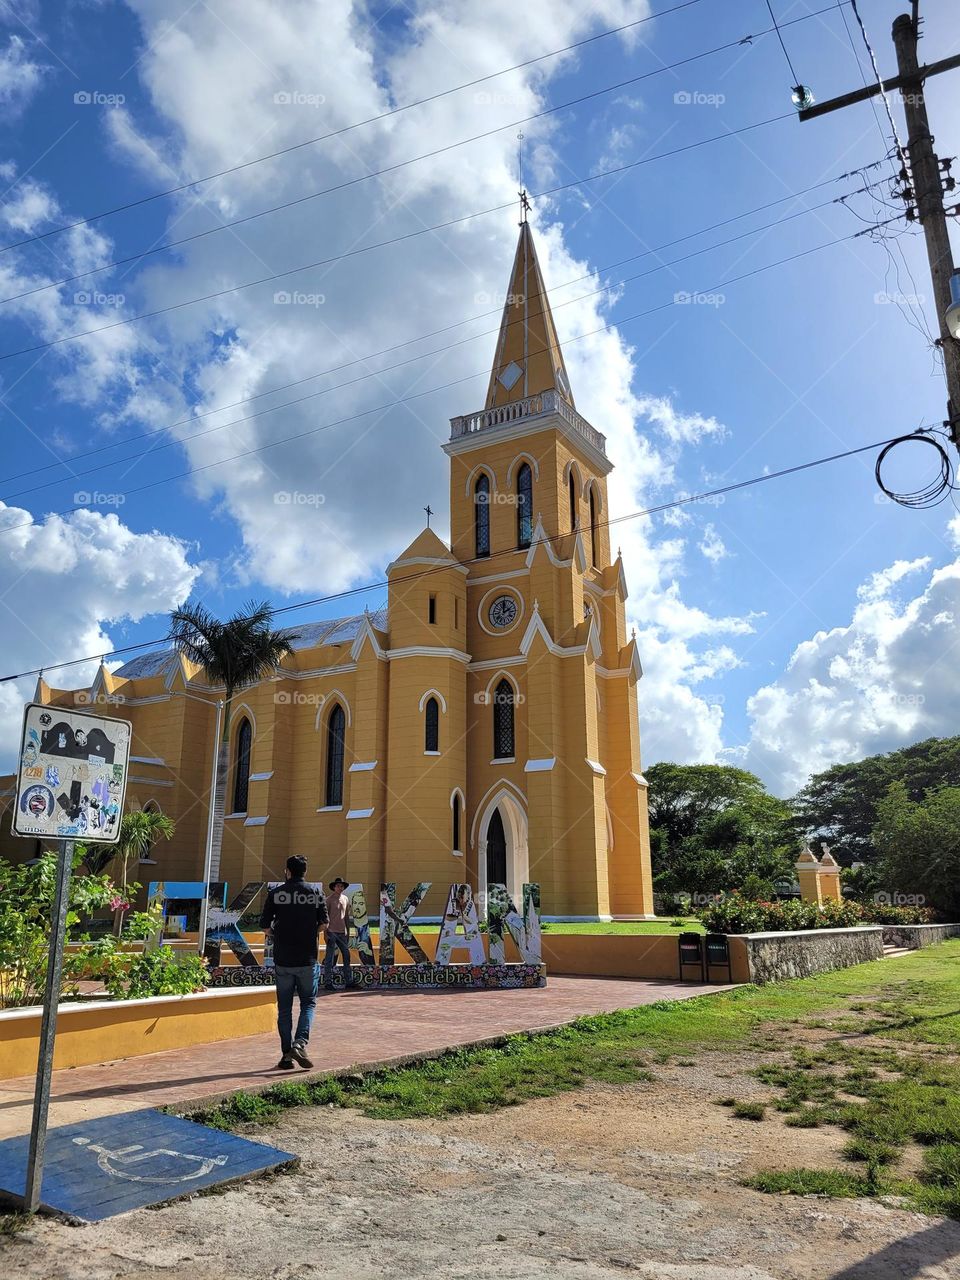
359, 1029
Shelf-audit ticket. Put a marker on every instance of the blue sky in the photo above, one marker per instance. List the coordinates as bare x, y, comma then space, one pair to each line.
795, 623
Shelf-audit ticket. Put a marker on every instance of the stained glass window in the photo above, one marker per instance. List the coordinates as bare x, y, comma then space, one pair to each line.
503, 737
481, 516
431, 723
524, 506
241, 768
336, 727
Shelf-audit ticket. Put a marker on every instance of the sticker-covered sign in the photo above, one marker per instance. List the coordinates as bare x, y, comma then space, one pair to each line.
72, 775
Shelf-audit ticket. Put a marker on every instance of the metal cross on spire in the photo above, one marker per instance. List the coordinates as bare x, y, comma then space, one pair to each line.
430, 512
522, 193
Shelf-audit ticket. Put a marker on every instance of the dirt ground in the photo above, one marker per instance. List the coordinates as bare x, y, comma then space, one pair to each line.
639, 1179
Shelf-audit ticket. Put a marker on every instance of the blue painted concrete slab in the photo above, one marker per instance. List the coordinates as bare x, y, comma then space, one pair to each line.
99, 1168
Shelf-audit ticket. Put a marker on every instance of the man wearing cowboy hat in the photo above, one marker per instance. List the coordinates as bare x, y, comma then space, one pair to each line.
336, 932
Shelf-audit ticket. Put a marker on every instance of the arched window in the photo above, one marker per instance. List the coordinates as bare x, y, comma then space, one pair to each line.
573, 501
503, 737
456, 822
481, 515
524, 506
241, 766
431, 725
336, 726
594, 543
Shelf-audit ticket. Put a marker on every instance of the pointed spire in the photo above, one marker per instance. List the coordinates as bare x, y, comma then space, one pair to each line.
528, 358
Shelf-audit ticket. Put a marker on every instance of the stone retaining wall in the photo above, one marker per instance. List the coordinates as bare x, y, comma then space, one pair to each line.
918, 935
773, 957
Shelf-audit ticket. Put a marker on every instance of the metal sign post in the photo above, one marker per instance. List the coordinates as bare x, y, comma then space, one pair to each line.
71, 783
48, 1028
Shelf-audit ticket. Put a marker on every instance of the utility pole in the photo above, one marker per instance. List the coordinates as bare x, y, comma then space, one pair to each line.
925, 181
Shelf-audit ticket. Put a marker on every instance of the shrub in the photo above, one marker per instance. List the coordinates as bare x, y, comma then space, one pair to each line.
161, 972
26, 904
736, 914
885, 913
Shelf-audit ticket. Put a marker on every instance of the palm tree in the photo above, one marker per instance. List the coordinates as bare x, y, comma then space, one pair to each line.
234, 654
139, 831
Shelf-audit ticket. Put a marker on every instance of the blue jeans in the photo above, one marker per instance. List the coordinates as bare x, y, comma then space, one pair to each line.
302, 980
336, 942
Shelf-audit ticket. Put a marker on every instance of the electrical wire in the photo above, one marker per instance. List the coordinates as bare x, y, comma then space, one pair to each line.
933, 493
776, 26
79, 222
643, 513
383, 408
410, 235
901, 153
891, 244
179, 440
350, 182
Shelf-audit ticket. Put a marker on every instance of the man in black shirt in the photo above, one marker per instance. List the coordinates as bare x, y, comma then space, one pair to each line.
293, 915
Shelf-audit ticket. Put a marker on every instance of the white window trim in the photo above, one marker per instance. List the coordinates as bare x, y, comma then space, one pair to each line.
504, 760
431, 753
331, 808
228, 817
360, 766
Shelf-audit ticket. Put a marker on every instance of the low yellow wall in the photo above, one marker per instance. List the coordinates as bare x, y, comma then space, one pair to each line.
654, 956
105, 1030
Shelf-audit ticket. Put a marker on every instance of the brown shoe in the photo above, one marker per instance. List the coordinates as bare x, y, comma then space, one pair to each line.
299, 1052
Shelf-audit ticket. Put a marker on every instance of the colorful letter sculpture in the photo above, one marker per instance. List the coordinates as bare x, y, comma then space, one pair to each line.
460, 930
160, 892
223, 926
524, 930
361, 924
395, 925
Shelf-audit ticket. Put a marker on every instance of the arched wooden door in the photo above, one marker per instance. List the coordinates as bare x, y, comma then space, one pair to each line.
496, 849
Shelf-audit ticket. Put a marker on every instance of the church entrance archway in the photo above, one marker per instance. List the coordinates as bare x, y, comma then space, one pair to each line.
502, 845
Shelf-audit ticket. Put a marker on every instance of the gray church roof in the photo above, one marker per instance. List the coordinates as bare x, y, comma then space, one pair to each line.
307, 635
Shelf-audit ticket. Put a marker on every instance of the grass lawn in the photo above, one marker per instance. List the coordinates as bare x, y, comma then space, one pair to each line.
898, 1083
667, 924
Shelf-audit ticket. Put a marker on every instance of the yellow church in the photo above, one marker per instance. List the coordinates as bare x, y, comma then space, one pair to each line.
481, 728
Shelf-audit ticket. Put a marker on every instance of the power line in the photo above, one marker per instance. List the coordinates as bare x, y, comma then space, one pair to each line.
644, 512
286, 386
185, 186
377, 173
301, 435
410, 235
883, 93
81, 475
776, 27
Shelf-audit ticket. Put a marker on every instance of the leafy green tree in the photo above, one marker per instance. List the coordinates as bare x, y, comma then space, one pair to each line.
841, 804
918, 843
231, 654
713, 827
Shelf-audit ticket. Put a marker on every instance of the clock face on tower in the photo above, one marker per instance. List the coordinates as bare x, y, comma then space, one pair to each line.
502, 612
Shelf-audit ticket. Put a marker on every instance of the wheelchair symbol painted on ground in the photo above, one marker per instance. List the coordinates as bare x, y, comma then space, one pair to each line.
137, 1154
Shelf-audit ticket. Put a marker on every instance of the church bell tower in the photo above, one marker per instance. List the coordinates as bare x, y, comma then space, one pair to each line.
554, 789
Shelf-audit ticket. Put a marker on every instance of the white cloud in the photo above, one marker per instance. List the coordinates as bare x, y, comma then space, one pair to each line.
20, 77
712, 546
229, 85
888, 677
62, 582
